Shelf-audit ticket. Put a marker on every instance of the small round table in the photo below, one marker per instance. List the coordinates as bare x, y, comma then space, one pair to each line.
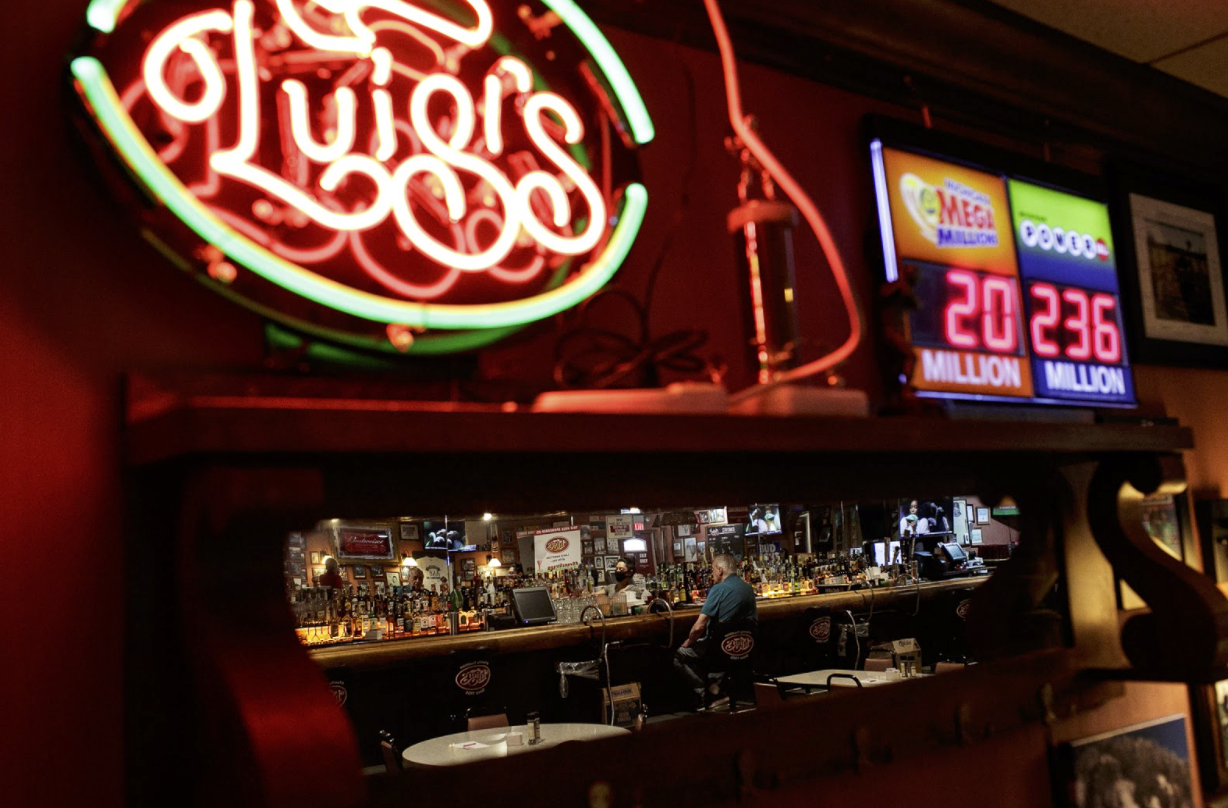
451, 750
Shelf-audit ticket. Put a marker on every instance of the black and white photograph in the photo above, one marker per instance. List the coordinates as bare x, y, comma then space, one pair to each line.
1144, 764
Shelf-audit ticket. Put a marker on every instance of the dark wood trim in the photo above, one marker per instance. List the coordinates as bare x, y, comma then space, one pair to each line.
306, 426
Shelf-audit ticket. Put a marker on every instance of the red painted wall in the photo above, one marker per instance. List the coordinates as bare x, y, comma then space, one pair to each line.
83, 299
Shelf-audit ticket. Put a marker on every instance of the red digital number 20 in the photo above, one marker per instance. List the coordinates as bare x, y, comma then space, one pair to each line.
994, 299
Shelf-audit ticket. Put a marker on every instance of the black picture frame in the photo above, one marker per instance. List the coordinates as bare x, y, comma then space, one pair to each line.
1173, 316
1212, 518
1209, 708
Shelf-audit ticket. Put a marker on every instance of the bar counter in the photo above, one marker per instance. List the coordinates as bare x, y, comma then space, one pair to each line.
645, 627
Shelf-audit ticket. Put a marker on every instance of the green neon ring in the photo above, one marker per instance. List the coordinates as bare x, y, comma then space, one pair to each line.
103, 15
166, 187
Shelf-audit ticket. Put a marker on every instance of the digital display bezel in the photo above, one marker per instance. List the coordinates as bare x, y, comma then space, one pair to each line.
1005, 166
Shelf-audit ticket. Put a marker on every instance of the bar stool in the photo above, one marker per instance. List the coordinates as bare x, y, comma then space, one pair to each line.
731, 659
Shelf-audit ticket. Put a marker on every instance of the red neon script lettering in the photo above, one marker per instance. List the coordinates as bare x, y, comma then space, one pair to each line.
430, 172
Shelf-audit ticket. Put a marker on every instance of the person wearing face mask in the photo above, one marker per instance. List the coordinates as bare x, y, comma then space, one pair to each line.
625, 577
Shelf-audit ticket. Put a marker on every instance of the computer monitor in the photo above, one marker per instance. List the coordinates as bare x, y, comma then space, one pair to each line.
533, 606
956, 553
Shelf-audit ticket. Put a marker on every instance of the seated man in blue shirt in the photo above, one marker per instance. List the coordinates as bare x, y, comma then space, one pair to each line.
728, 600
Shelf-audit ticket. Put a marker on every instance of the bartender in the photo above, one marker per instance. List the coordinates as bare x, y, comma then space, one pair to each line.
625, 577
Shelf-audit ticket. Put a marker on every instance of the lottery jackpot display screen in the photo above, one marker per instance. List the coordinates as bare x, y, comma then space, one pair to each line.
1015, 283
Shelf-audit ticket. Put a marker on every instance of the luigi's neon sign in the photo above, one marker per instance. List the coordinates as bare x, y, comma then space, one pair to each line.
404, 175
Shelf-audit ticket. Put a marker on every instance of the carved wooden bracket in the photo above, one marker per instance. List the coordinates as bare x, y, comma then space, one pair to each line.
1185, 635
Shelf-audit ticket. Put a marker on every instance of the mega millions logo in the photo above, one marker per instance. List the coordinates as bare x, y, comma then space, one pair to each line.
950, 215
367, 170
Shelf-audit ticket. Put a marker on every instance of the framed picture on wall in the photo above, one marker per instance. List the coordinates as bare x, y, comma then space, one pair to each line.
315, 556
1162, 521
1209, 707
976, 536
409, 532
598, 546
1212, 516
377, 571
1143, 760
1170, 232
982, 516
360, 571
394, 579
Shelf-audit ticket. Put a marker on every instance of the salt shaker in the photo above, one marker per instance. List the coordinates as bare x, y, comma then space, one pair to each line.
535, 726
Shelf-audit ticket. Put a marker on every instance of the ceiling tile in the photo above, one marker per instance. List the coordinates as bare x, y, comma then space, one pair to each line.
1137, 29
1206, 66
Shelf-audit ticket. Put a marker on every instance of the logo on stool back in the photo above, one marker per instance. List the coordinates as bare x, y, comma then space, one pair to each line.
339, 692
557, 545
820, 629
963, 607
738, 645
473, 678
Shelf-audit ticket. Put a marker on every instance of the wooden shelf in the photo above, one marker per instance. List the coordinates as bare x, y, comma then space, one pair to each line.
238, 425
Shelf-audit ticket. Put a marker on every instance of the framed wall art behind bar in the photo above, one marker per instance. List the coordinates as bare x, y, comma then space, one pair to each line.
1209, 706
1173, 282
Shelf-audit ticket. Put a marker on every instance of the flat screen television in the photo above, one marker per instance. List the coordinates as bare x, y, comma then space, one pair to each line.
764, 520
533, 606
1013, 269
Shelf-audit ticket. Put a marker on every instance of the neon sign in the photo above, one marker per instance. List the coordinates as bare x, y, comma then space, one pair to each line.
399, 175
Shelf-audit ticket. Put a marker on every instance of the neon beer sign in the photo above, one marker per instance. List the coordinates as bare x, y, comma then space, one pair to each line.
398, 175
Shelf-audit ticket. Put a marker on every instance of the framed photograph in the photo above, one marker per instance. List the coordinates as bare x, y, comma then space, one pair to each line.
1170, 231
598, 546
684, 530
611, 562
409, 532
586, 548
394, 578
360, 571
377, 571
959, 520
507, 537
315, 556
1149, 761
468, 566
1209, 706
982, 516
977, 537
1162, 521
1212, 516
677, 549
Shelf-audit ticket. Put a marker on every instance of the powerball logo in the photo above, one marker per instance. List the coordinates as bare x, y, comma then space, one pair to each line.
953, 215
